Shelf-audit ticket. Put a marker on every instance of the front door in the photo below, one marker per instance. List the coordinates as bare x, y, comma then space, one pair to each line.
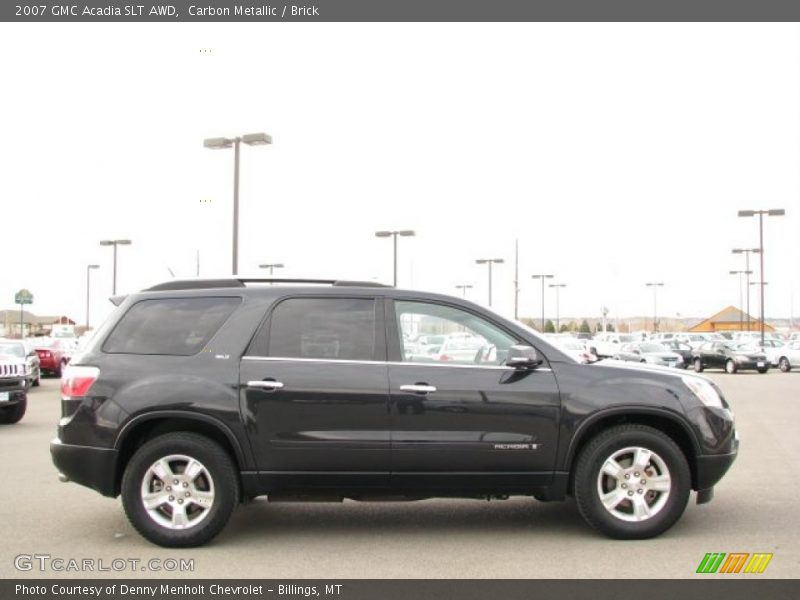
315, 394
460, 418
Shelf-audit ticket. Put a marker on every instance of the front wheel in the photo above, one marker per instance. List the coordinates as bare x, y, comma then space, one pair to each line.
784, 365
730, 367
762, 369
631, 482
698, 365
179, 490
13, 414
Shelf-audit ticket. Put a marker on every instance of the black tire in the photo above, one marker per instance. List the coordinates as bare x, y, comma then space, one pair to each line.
730, 367
698, 365
225, 487
37, 382
784, 365
763, 369
589, 466
14, 413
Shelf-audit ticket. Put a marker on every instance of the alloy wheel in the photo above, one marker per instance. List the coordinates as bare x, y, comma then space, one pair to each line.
177, 491
634, 484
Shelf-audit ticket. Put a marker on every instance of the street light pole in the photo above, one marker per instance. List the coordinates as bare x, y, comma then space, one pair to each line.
490, 261
271, 267
115, 243
464, 287
557, 286
773, 212
741, 297
655, 285
394, 234
516, 280
748, 272
251, 139
88, 274
542, 276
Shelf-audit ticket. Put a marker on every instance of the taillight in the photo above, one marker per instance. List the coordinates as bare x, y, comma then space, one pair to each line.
76, 381
444, 357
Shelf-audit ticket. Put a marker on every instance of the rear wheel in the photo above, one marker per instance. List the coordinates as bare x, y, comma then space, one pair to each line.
698, 365
179, 490
762, 369
631, 482
730, 367
784, 365
13, 414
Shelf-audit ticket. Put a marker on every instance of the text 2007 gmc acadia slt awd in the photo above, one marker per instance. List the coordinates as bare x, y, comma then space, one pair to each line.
197, 395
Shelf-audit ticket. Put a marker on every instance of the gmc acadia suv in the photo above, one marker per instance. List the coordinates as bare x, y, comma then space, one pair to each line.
198, 395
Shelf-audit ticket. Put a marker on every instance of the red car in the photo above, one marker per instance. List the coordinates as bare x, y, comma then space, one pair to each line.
53, 354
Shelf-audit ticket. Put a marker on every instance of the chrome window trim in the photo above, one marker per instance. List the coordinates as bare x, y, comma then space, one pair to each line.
381, 362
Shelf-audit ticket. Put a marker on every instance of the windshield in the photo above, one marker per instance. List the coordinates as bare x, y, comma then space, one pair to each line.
12, 349
43, 342
652, 348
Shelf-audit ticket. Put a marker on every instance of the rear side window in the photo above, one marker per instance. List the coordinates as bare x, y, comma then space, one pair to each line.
322, 328
173, 326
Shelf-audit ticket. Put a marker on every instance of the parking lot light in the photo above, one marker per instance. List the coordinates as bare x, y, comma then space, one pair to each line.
655, 285
394, 234
542, 276
740, 273
748, 272
220, 143
271, 267
772, 212
115, 243
88, 274
557, 287
464, 287
490, 262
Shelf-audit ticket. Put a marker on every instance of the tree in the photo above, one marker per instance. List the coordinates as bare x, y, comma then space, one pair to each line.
549, 327
563, 328
584, 328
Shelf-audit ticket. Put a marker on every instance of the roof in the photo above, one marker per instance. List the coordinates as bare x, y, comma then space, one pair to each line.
729, 314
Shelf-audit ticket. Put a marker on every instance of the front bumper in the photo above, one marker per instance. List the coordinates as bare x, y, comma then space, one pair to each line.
711, 468
93, 467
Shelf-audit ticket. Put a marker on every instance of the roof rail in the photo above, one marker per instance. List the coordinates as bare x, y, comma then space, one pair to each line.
238, 282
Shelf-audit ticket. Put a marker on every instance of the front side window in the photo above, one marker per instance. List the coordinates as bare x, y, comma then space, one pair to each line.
322, 328
443, 334
169, 326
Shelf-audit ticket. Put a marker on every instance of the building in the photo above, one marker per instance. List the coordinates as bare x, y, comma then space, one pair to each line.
32, 325
729, 319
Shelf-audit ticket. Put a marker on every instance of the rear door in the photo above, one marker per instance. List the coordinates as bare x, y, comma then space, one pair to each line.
314, 382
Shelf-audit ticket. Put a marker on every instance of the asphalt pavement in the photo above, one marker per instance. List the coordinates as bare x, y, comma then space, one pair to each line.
754, 511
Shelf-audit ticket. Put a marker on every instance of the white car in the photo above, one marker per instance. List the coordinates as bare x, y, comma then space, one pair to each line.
608, 344
576, 348
785, 357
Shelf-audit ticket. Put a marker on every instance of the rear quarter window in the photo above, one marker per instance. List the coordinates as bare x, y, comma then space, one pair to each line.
170, 326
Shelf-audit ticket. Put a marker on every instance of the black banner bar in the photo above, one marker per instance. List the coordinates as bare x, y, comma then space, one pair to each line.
400, 10
732, 588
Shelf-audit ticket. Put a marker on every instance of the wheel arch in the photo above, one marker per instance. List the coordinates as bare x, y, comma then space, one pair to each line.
665, 421
143, 428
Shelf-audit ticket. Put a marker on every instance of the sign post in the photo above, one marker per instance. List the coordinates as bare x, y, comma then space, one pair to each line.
22, 298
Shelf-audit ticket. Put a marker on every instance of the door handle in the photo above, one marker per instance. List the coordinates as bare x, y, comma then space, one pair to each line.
267, 384
418, 388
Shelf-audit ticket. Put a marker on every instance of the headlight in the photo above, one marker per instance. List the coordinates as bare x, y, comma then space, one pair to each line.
703, 390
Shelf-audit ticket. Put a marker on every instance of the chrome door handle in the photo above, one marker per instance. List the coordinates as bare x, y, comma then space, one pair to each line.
418, 388
266, 384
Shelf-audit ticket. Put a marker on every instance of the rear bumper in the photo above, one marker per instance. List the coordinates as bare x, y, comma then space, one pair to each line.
93, 467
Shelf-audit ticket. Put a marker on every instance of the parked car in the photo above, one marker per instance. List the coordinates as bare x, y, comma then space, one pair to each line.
197, 394
784, 357
682, 348
13, 388
22, 349
575, 347
53, 354
650, 352
606, 345
724, 355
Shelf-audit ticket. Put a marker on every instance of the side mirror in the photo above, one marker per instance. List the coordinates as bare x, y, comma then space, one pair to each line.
522, 357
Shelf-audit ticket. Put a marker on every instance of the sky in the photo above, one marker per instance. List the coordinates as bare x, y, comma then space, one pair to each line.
617, 154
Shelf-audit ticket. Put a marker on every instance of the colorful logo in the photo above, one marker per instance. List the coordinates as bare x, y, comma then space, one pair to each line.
734, 562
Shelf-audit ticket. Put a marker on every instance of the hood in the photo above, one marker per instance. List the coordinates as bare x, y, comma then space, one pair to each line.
637, 367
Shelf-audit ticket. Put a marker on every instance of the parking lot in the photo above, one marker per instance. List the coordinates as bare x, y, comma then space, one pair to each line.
753, 511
